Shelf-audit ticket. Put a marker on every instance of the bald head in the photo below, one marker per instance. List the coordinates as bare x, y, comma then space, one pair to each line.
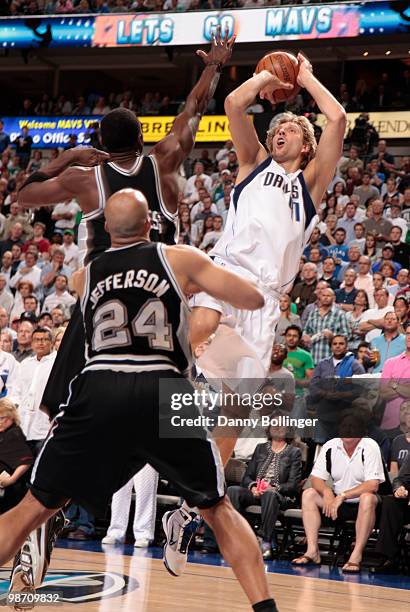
127, 216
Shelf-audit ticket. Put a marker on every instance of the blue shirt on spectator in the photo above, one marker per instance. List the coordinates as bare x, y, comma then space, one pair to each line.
376, 266
387, 349
338, 251
4, 141
323, 251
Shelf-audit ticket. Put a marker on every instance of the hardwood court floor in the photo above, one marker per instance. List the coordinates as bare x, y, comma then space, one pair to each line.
111, 582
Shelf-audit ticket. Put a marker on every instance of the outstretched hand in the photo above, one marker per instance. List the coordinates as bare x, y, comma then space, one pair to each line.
305, 70
88, 156
221, 48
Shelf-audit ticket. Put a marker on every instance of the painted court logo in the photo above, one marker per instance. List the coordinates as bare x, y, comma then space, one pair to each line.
77, 586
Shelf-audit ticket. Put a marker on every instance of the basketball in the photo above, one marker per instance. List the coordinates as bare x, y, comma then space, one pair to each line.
286, 67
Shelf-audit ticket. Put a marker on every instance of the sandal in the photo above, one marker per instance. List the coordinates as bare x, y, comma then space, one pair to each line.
351, 568
305, 560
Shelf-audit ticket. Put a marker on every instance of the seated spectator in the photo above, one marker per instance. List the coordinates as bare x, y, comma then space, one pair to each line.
400, 448
345, 296
57, 317
6, 298
50, 271
339, 250
387, 255
387, 269
353, 161
15, 238
303, 293
401, 287
16, 253
212, 236
36, 162
364, 279
395, 514
188, 232
38, 238
348, 222
22, 346
394, 387
31, 304
271, 480
354, 317
397, 221
384, 159
28, 272
373, 320
401, 308
359, 239
6, 341
286, 317
34, 373
64, 215
370, 249
279, 378
46, 320
315, 257
324, 322
198, 173
15, 457
60, 297
355, 465
378, 225
314, 242
203, 209
320, 286
329, 273
401, 250
353, 256
17, 216
365, 191
390, 343
7, 266
363, 356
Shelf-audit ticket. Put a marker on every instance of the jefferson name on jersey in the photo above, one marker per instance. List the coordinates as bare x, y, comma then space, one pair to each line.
130, 279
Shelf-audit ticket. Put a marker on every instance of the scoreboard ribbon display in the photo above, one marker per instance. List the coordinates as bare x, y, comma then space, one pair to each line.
195, 28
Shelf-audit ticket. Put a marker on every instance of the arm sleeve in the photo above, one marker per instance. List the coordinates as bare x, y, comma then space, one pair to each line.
251, 471
295, 476
373, 463
319, 469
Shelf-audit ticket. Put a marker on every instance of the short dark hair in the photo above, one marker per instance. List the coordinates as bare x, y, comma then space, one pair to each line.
121, 131
340, 229
43, 330
295, 328
30, 297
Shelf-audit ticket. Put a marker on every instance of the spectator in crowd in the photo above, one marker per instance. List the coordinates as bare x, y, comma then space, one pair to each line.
50, 271
15, 258
359, 239
60, 297
198, 173
329, 273
57, 317
366, 191
31, 304
45, 320
303, 293
17, 216
28, 272
401, 308
395, 514
15, 457
9, 375
212, 236
23, 143
397, 220
71, 250
286, 317
387, 255
188, 232
4, 138
23, 348
145, 484
6, 298
373, 320
322, 284
390, 343
64, 215
395, 386
400, 448
348, 222
339, 250
300, 363
271, 480
24, 289
314, 242
279, 378
14, 239
353, 161
6, 265
34, 373
370, 249
356, 468
364, 279
384, 159
378, 225
353, 256
346, 295
4, 323
38, 239
324, 322
354, 317
401, 250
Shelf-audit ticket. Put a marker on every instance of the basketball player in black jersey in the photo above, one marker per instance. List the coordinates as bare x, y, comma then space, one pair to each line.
134, 310
91, 176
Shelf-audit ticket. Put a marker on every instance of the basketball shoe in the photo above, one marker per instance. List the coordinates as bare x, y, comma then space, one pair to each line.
32, 561
179, 527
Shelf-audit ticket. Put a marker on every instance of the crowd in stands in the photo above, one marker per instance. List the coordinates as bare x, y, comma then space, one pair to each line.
347, 314
61, 7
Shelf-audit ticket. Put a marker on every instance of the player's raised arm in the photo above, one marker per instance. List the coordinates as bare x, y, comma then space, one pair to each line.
320, 170
196, 272
178, 144
249, 150
61, 178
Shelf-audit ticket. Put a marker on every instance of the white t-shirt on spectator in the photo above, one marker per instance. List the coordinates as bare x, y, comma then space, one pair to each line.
402, 224
32, 381
34, 277
6, 300
190, 184
53, 301
375, 313
72, 254
61, 209
348, 472
210, 238
199, 207
9, 375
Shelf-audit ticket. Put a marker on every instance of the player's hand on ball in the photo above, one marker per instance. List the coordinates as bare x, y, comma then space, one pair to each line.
88, 156
271, 84
221, 48
305, 70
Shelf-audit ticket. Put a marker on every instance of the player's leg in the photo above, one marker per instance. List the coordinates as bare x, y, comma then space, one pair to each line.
240, 549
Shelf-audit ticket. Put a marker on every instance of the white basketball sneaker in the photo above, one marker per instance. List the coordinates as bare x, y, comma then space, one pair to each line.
108, 539
179, 527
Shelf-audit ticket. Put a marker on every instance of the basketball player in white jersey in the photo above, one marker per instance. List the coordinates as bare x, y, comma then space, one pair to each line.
270, 219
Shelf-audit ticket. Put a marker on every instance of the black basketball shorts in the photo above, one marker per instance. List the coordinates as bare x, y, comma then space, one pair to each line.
108, 430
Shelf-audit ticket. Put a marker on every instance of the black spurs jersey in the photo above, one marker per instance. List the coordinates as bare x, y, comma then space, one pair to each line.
110, 178
135, 315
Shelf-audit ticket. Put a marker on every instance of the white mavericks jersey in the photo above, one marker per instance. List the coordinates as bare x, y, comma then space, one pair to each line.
269, 222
